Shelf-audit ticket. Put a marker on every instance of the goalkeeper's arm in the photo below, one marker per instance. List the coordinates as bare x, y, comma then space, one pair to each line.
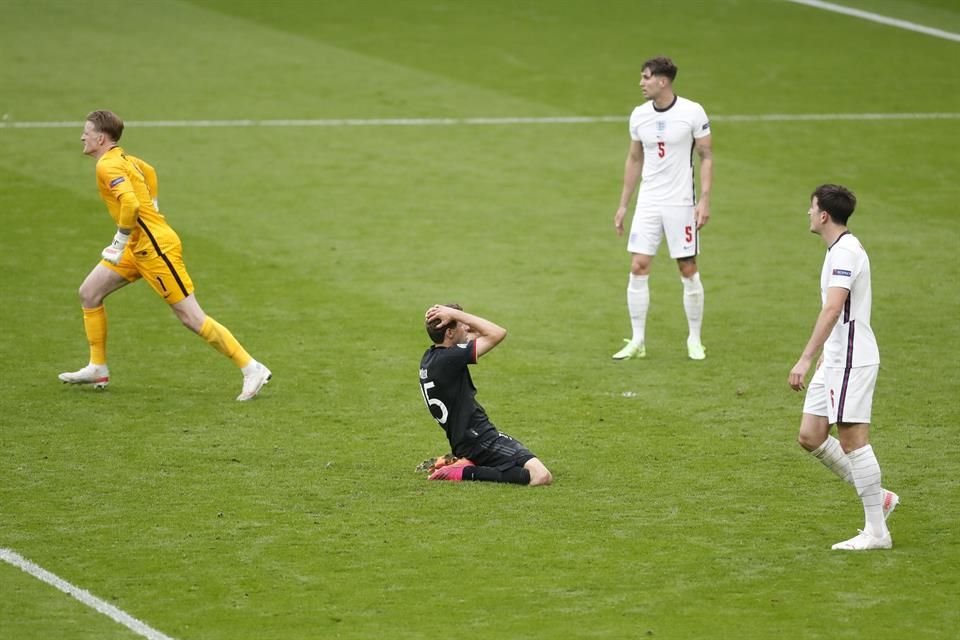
129, 207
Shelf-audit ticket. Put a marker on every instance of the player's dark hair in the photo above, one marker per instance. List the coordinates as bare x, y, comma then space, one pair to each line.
107, 122
838, 201
661, 66
438, 331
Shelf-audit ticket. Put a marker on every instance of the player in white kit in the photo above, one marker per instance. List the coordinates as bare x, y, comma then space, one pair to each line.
841, 389
665, 132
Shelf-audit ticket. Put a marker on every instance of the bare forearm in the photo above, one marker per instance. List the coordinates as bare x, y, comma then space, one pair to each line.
821, 331
706, 177
632, 171
481, 327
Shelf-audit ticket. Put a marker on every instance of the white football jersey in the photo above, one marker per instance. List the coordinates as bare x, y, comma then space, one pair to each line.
851, 343
668, 138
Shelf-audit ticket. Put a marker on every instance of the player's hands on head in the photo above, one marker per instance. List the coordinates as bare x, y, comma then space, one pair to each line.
439, 315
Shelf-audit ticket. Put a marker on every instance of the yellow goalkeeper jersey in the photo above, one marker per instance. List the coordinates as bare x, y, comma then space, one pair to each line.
119, 173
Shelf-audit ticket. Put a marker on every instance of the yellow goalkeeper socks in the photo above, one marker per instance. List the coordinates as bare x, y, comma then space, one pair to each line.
220, 338
95, 326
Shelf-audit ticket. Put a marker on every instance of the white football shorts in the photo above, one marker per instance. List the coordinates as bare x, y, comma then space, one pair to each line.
842, 395
653, 221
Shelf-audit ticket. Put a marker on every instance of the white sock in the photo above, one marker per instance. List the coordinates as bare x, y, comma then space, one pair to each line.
638, 302
250, 368
693, 304
831, 454
866, 478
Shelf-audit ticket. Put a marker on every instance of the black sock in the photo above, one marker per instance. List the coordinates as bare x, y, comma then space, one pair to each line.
513, 475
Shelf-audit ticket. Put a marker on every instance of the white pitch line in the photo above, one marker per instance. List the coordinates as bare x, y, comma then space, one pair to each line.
331, 122
876, 17
107, 609
818, 117
432, 122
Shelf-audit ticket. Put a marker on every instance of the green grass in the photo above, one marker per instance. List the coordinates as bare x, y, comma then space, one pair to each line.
682, 506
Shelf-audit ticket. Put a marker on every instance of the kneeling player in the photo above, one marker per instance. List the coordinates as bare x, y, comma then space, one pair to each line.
482, 452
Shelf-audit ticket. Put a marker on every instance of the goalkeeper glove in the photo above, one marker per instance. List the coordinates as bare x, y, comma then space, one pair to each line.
112, 253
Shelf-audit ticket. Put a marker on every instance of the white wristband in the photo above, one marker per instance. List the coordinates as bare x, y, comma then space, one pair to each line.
120, 241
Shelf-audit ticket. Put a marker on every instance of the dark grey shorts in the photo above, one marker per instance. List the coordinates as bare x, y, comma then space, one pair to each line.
500, 452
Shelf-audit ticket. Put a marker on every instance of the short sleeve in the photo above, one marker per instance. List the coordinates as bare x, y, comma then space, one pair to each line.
449, 361
843, 268
701, 124
633, 126
465, 353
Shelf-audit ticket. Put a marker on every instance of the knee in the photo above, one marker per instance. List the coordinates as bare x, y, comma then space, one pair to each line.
814, 431
90, 298
688, 268
808, 441
852, 439
640, 264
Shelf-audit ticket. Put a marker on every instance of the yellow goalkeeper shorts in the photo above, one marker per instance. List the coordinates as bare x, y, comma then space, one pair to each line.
164, 272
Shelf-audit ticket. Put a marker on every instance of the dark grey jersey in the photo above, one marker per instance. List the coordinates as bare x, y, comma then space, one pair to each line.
450, 395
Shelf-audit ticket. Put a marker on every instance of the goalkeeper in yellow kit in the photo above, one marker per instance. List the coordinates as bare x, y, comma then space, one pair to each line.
145, 246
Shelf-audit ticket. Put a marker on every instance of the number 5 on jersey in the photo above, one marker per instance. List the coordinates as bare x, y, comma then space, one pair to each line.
433, 402
661, 149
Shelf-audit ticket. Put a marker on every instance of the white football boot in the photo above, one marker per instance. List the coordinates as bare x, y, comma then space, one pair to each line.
696, 350
96, 374
863, 541
255, 375
631, 350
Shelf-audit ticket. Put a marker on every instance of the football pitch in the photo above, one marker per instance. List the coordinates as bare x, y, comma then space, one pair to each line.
333, 169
